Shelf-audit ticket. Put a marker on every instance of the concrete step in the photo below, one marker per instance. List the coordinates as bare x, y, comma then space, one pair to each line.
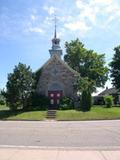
51, 114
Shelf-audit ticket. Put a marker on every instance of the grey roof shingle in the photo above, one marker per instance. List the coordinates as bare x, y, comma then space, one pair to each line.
109, 91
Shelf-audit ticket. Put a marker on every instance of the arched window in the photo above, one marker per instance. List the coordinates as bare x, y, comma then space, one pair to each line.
55, 87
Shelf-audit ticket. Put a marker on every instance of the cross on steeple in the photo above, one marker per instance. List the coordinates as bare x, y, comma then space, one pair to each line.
56, 49
55, 34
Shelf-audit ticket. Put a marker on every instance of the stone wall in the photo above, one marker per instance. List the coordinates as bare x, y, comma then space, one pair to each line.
56, 71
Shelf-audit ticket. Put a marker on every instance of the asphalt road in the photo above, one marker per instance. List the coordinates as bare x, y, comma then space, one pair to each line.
91, 134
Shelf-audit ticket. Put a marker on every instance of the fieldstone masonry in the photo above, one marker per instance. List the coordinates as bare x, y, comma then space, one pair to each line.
58, 74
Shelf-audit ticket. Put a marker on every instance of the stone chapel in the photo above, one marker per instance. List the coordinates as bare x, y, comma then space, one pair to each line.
56, 77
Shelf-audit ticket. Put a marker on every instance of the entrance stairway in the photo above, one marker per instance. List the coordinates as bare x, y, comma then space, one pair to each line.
51, 114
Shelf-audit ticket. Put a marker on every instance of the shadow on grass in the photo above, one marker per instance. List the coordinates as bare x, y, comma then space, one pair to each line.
4, 114
8, 114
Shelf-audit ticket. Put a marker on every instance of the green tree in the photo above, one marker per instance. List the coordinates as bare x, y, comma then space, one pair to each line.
85, 86
19, 87
87, 62
115, 68
90, 65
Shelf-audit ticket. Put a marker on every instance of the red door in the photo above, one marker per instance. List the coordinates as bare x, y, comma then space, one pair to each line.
54, 97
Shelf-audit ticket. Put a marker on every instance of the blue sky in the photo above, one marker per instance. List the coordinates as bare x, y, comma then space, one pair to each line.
26, 29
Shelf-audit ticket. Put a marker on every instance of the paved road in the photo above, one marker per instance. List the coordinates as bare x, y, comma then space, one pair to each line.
93, 134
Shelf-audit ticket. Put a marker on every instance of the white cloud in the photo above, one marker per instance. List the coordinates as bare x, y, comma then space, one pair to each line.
110, 19
35, 29
85, 16
48, 21
103, 2
77, 26
51, 10
80, 4
87, 11
33, 17
89, 14
61, 32
98, 12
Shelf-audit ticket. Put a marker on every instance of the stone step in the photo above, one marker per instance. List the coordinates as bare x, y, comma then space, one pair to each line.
51, 117
51, 114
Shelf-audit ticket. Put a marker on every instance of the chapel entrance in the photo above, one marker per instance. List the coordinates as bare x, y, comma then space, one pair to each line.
55, 92
54, 97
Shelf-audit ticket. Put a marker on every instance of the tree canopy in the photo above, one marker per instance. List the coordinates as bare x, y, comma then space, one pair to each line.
88, 63
19, 87
115, 68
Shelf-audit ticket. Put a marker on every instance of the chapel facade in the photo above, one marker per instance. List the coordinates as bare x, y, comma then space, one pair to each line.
56, 78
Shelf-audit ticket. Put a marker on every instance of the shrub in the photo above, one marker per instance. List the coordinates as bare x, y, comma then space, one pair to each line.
2, 98
39, 102
86, 101
108, 101
66, 103
2, 102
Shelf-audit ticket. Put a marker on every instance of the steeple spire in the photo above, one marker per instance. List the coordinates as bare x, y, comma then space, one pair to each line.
55, 34
56, 49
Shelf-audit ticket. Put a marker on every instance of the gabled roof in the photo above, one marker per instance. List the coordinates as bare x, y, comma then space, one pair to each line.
61, 61
109, 91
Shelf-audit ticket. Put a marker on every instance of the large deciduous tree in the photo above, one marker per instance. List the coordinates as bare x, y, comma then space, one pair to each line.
19, 87
90, 65
115, 68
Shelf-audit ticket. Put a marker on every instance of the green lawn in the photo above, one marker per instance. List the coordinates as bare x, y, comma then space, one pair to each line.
6, 114
96, 113
3, 107
31, 115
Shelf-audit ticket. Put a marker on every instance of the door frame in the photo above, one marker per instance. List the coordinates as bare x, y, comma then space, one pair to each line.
54, 97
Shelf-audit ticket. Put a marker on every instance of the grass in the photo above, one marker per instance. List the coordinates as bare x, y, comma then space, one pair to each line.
3, 107
31, 115
96, 113
6, 114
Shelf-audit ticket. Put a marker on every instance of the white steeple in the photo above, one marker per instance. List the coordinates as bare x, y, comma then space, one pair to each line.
56, 49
